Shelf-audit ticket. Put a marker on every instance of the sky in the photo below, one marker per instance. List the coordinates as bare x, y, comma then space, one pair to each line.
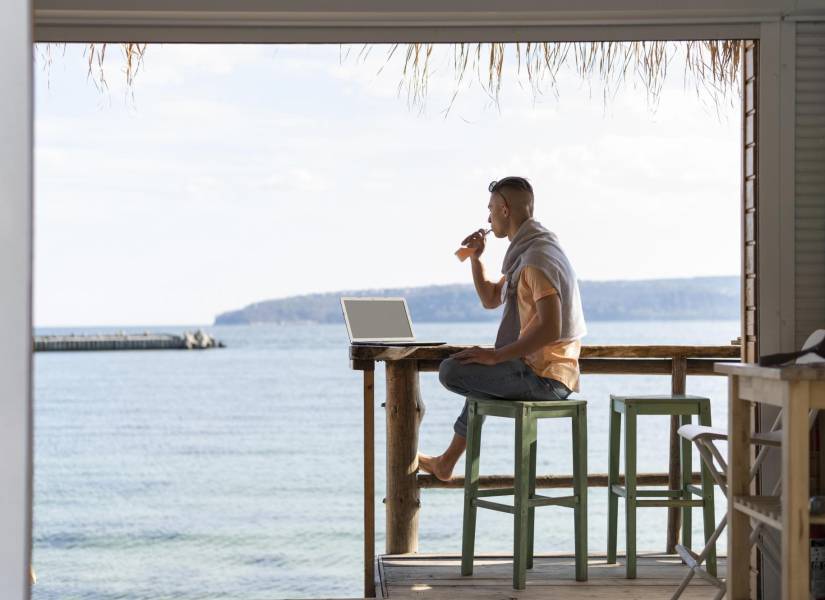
233, 174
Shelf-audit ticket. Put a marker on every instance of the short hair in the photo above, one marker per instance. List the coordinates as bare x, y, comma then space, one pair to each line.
519, 184
512, 183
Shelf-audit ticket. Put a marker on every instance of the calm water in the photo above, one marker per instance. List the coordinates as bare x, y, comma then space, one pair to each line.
236, 473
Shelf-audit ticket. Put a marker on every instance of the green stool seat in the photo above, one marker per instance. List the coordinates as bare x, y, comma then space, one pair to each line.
526, 415
683, 406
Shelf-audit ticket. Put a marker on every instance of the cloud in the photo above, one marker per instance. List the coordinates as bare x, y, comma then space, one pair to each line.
243, 156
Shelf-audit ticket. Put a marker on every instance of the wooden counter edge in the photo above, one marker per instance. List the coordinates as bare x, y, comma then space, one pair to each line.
791, 373
365, 352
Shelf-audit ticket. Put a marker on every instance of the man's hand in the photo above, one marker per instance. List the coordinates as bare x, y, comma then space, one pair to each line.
476, 241
482, 356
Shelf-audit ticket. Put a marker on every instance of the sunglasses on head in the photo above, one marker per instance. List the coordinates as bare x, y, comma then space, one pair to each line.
517, 182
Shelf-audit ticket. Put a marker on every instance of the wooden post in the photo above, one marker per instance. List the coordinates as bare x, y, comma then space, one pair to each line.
739, 428
402, 459
674, 516
369, 481
795, 491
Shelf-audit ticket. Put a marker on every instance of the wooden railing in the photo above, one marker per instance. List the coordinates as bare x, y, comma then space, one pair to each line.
403, 364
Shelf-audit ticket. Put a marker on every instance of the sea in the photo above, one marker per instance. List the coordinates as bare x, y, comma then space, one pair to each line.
236, 473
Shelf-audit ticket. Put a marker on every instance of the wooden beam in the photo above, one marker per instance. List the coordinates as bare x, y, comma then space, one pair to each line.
362, 365
369, 482
660, 351
392, 353
546, 481
678, 385
402, 457
621, 366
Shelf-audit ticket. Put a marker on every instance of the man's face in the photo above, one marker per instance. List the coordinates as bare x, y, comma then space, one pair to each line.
499, 213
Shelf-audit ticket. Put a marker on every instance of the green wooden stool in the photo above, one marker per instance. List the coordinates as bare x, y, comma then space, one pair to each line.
633, 406
526, 415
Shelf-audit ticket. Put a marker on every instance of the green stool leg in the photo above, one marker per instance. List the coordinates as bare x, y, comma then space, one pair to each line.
630, 487
468, 535
525, 434
531, 513
687, 480
580, 490
707, 494
613, 479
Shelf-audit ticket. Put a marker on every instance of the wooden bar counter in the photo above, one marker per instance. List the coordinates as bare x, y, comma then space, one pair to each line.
404, 363
795, 390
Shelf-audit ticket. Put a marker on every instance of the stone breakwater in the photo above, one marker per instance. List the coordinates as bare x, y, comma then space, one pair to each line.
189, 340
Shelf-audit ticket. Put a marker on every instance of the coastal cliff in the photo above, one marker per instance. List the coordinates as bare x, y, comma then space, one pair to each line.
688, 298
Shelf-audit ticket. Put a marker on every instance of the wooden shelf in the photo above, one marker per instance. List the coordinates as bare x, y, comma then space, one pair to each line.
768, 510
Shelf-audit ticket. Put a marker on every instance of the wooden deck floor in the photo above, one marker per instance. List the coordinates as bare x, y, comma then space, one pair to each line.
431, 577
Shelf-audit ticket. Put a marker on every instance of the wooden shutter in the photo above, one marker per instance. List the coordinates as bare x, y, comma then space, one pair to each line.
749, 203
810, 179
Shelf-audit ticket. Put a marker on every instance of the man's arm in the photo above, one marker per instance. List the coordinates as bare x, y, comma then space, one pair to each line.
488, 292
546, 330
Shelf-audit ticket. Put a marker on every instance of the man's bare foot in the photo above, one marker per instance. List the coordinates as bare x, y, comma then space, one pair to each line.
435, 465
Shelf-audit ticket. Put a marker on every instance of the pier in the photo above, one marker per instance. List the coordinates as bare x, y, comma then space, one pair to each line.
198, 340
437, 577
403, 483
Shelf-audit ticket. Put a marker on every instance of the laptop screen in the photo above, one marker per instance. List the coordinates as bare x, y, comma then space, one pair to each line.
377, 318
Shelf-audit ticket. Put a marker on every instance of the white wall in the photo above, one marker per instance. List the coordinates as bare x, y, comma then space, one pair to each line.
15, 297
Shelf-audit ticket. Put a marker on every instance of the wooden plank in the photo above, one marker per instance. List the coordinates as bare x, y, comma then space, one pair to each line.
750, 292
394, 353
545, 481
678, 385
749, 98
795, 473
750, 322
750, 194
442, 569
750, 191
437, 577
750, 130
625, 366
765, 509
791, 373
766, 391
369, 482
738, 485
750, 350
750, 258
568, 591
750, 226
362, 365
660, 351
750, 62
703, 366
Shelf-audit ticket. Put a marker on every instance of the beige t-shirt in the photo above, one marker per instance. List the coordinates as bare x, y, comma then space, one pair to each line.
558, 360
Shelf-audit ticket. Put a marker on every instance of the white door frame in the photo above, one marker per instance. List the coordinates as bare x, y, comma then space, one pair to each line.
15, 297
311, 21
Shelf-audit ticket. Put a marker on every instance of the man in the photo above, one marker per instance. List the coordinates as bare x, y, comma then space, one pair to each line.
536, 354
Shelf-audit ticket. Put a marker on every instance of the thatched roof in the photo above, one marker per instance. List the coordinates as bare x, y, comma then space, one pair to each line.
713, 66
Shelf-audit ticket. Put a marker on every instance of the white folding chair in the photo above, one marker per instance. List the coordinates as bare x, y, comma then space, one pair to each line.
704, 438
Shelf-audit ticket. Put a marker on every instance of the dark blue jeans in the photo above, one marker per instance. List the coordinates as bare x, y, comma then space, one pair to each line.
511, 380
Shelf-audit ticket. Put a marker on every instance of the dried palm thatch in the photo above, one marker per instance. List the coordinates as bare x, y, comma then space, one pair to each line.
712, 65
96, 54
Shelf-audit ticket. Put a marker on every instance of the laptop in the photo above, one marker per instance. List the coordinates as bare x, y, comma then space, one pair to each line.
380, 322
